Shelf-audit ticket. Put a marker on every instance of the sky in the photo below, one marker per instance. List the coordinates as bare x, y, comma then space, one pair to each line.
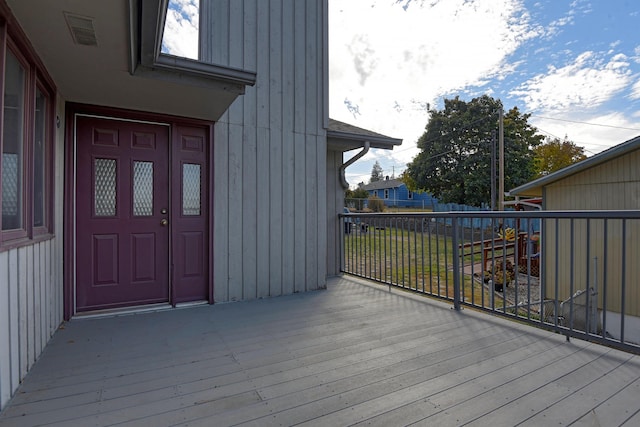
573, 65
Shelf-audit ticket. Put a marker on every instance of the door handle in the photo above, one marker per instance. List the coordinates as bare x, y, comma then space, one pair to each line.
164, 222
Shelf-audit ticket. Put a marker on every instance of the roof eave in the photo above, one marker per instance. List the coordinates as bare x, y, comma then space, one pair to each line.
349, 141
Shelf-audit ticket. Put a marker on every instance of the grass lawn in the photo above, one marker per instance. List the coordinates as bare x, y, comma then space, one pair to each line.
415, 260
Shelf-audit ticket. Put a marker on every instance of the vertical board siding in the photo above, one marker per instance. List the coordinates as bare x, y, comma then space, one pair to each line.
5, 330
31, 291
321, 272
288, 206
609, 186
221, 214
312, 230
299, 213
263, 232
334, 205
14, 319
30, 309
235, 206
276, 225
269, 148
261, 64
249, 216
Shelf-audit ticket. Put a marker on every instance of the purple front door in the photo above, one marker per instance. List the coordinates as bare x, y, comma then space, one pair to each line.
141, 212
190, 213
122, 213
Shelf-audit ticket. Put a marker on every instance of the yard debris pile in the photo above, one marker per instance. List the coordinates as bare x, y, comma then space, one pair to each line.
518, 289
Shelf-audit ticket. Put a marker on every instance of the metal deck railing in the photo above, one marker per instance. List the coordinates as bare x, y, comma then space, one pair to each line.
574, 272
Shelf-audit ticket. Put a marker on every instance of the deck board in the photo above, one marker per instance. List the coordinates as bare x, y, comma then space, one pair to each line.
354, 353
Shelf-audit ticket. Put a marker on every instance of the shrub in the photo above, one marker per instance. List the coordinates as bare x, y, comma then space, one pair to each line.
375, 204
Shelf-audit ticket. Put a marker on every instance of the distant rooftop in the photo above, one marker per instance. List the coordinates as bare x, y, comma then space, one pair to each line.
347, 137
383, 183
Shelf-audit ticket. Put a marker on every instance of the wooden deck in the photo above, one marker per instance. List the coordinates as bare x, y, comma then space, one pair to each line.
361, 354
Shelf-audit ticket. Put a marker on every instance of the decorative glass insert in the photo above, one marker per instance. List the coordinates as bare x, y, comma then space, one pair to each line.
10, 185
12, 142
142, 188
39, 156
190, 189
105, 187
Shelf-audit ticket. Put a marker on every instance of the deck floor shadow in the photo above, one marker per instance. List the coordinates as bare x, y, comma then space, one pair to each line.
354, 353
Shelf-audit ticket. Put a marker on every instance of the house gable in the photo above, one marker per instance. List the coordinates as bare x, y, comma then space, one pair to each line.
614, 184
535, 188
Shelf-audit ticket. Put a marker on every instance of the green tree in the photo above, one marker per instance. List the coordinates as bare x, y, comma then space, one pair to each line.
554, 155
358, 193
454, 163
376, 173
408, 180
356, 198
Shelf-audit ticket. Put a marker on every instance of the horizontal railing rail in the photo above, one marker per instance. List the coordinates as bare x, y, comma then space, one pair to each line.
573, 272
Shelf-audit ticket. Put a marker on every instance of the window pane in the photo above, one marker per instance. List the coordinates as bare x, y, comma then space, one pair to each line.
105, 187
181, 28
190, 189
39, 164
142, 188
12, 153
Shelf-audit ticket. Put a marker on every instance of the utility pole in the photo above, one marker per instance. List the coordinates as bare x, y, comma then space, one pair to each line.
493, 170
501, 148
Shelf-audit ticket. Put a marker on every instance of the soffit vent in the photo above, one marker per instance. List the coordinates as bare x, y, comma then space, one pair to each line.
82, 30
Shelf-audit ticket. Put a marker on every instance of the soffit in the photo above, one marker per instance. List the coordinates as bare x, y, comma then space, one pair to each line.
101, 74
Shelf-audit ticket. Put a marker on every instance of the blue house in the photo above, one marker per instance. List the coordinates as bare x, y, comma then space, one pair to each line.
395, 193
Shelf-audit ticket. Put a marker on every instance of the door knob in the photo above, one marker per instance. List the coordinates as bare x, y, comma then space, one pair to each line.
164, 222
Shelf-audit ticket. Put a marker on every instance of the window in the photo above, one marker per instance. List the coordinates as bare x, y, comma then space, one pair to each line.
410, 194
13, 145
181, 33
26, 138
386, 193
191, 189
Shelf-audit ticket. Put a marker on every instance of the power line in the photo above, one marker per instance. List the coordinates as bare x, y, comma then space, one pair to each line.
585, 123
579, 143
444, 135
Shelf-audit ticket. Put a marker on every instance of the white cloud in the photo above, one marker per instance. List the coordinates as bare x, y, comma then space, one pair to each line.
395, 58
180, 36
635, 91
595, 132
586, 83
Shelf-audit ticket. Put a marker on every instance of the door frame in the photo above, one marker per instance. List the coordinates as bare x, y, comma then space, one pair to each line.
69, 194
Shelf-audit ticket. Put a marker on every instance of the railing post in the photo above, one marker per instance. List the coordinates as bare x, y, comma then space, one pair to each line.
456, 264
342, 239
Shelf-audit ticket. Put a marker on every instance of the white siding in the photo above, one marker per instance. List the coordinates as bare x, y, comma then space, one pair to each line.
31, 301
335, 205
269, 183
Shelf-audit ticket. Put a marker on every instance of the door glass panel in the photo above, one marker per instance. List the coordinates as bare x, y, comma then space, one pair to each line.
12, 138
105, 187
142, 188
190, 189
